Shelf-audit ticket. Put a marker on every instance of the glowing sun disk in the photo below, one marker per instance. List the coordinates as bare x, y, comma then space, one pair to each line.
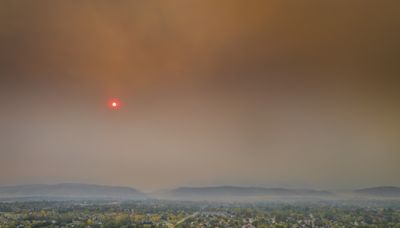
114, 103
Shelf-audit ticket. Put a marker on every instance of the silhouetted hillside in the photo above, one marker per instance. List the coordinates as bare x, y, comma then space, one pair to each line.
382, 191
70, 190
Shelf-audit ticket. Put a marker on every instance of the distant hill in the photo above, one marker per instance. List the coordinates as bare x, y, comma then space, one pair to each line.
382, 191
70, 191
237, 192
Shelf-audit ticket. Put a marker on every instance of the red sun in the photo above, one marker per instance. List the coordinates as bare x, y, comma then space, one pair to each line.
114, 104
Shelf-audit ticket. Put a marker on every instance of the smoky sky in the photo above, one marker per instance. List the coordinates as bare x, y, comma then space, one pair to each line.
260, 93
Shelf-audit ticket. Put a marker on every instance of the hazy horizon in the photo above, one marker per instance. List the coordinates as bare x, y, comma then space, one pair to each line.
261, 93
166, 190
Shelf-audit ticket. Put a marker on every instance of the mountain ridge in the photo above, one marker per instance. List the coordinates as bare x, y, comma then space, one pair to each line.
70, 190
379, 191
95, 191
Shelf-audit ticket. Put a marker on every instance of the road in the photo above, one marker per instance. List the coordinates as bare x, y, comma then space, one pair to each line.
187, 217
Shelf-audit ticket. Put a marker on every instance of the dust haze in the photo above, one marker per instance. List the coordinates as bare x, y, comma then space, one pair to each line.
260, 93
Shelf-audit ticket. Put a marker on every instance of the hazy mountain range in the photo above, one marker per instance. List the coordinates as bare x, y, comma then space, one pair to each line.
89, 191
382, 191
70, 190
